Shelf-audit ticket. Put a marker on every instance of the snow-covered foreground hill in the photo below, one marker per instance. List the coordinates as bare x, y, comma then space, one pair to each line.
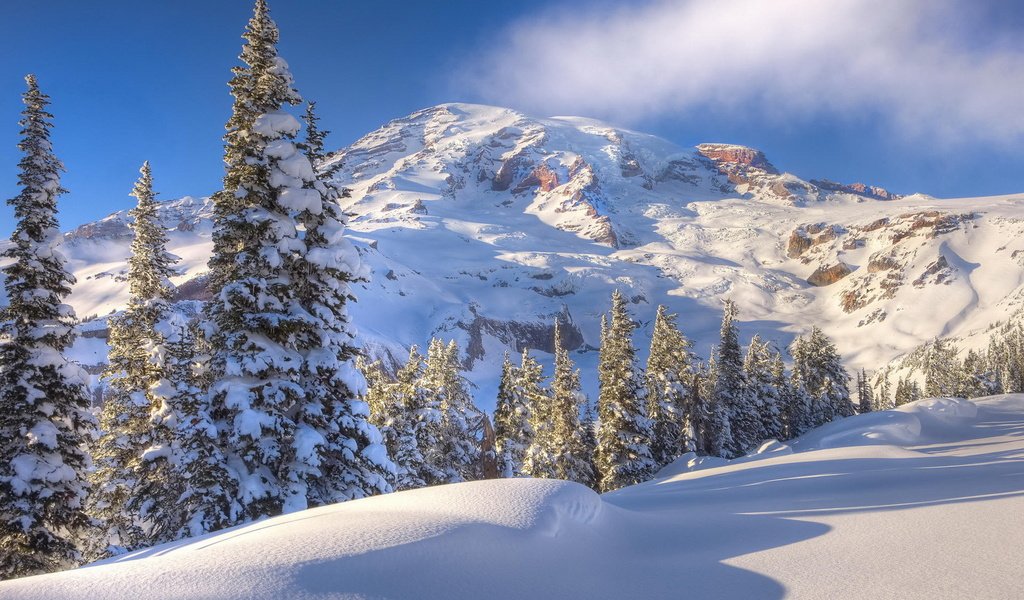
485, 225
920, 502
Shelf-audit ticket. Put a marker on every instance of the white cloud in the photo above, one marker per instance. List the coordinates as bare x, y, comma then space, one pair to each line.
925, 66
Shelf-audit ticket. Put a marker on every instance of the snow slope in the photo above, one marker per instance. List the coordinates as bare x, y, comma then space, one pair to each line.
484, 225
920, 502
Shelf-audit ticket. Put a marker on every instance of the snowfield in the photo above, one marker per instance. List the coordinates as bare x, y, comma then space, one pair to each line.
925, 501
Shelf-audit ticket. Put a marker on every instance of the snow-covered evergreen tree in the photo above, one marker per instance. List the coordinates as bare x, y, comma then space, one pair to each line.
512, 432
883, 397
340, 455
731, 388
418, 427
45, 421
127, 485
193, 461
819, 370
457, 455
759, 366
570, 452
624, 432
714, 431
865, 395
588, 443
277, 400
669, 367
559, 446
785, 395
529, 385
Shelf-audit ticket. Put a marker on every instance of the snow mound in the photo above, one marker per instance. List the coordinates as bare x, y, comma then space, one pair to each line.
915, 423
690, 462
938, 517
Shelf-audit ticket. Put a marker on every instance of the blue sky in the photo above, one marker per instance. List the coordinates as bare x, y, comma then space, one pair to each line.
918, 98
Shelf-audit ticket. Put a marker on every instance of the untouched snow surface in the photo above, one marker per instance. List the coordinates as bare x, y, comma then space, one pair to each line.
920, 502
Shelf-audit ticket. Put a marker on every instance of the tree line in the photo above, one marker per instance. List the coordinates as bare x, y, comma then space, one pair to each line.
645, 418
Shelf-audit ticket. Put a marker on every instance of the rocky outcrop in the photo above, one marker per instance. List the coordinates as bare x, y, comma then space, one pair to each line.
533, 335
859, 189
823, 276
541, 178
734, 159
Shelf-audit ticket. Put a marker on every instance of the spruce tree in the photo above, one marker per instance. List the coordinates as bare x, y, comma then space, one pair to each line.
417, 422
457, 455
258, 328
669, 366
339, 454
760, 366
730, 390
819, 370
45, 421
714, 433
588, 444
538, 459
624, 433
570, 450
512, 433
865, 396
559, 446
127, 484
195, 466
785, 396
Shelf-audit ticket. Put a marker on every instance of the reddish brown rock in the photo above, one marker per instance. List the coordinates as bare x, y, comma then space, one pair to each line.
828, 275
798, 244
737, 155
541, 177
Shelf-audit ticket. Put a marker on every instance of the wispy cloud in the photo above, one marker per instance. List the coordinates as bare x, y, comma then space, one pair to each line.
931, 69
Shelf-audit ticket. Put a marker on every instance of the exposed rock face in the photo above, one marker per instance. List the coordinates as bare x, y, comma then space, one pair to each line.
733, 159
519, 335
798, 244
860, 189
542, 178
823, 276
196, 288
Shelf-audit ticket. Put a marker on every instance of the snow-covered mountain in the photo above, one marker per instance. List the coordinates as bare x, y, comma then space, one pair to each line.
483, 224
919, 502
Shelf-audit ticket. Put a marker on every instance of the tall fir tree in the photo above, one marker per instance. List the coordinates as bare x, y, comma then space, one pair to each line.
714, 432
128, 486
865, 395
730, 390
766, 400
820, 373
529, 385
193, 462
570, 451
457, 455
259, 326
512, 432
624, 432
45, 423
669, 368
588, 443
341, 455
786, 396
418, 427
559, 446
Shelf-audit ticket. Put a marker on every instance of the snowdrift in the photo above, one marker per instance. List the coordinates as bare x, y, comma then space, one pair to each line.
919, 502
